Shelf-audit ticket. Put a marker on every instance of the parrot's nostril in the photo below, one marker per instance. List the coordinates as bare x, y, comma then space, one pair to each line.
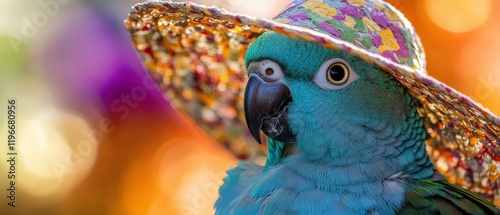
269, 71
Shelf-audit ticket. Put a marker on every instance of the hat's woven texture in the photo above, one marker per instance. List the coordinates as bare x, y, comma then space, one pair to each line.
369, 24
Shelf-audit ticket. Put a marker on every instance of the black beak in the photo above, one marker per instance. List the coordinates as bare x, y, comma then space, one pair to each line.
266, 109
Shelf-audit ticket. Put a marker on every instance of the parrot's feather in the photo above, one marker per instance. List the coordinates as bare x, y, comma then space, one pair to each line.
438, 197
274, 152
422, 196
284, 190
236, 182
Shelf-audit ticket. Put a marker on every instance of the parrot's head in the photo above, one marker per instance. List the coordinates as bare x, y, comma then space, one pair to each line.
324, 102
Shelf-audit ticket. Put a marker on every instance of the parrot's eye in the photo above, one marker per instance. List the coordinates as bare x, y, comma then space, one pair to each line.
268, 70
335, 74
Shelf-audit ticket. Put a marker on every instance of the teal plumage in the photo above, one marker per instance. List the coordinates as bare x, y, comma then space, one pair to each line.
359, 149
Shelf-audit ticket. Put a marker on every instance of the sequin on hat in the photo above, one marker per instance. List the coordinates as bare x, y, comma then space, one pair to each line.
371, 25
196, 54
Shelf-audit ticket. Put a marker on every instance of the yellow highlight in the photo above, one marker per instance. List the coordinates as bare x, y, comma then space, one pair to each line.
391, 15
282, 20
350, 22
389, 41
320, 8
57, 153
458, 16
379, 7
357, 3
372, 26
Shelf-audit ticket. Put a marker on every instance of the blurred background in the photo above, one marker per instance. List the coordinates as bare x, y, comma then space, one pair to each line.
95, 136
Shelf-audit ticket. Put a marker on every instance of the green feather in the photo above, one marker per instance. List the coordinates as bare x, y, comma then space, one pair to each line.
439, 197
274, 151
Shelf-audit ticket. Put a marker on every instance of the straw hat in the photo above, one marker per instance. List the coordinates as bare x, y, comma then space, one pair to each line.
196, 55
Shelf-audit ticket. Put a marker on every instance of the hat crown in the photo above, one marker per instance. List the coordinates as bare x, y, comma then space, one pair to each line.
373, 25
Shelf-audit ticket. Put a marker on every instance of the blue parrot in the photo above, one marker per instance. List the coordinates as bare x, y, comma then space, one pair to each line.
344, 137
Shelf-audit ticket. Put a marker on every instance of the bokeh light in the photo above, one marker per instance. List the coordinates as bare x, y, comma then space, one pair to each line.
197, 188
56, 153
480, 68
458, 16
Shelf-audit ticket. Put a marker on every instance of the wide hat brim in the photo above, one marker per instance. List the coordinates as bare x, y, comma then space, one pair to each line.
196, 54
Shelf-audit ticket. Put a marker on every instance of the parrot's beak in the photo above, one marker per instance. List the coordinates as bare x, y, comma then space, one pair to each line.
266, 109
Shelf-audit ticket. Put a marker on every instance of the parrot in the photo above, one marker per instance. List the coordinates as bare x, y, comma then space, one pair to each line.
343, 135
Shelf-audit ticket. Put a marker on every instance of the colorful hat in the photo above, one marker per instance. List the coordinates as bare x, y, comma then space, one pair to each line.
196, 54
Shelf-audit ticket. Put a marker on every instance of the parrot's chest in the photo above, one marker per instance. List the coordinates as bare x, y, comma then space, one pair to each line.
303, 188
